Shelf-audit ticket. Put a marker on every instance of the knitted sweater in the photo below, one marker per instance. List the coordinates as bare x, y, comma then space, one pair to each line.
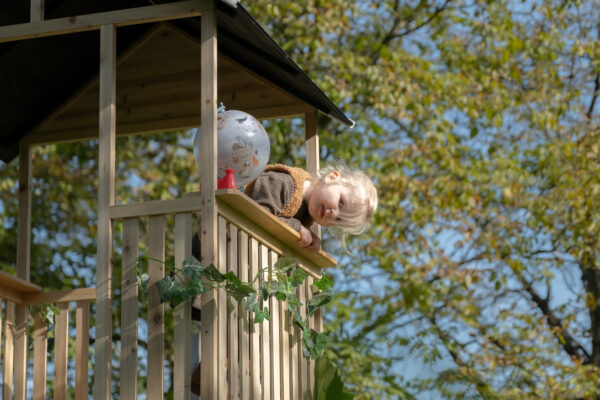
279, 189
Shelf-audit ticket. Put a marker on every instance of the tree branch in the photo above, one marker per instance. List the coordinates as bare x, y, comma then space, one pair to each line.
568, 343
590, 110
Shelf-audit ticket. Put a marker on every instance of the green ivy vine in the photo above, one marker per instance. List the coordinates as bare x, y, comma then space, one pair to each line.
192, 279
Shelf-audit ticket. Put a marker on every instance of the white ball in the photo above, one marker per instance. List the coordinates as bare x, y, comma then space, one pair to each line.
242, 145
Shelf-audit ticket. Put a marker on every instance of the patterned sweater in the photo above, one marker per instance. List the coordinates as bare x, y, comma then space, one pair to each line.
279, 189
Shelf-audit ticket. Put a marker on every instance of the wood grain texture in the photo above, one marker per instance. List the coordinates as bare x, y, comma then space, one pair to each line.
61, 351
183, 314
89, 22
129, 310
40, 357
82, 343
156, 310
106, 178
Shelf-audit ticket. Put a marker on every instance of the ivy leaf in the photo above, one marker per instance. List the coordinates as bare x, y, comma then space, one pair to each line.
313, 343
239, 290
212, 274
280, 296
232, 278
326, 282
285, 264
192, 268
163, 286
251, 301
328, 384
265, 289
195, 287
177, 295
318, 300
298, 276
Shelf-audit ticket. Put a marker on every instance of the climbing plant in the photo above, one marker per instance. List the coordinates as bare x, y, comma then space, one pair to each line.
280, 283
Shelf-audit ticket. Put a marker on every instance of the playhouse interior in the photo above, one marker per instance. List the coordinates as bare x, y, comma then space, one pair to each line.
74, 70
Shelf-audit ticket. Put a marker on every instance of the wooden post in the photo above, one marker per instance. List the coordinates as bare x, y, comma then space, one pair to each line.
36, 10
106, 174
23, 261
208, 226
312, 150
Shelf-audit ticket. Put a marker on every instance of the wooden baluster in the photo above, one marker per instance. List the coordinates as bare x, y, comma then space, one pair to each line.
9, 331
156, 310
275, 332
61, 334
129, 310
222, 311
233, 348
82, 344
245, 322
254, 329
303, 365
263, 257
311, 325
183, 314
40, 357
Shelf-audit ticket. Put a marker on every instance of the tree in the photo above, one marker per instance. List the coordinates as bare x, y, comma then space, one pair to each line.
479, 121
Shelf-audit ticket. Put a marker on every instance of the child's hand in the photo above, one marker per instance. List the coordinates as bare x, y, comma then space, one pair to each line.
308, 240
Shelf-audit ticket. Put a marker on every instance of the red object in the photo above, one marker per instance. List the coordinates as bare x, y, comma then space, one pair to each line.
228, 181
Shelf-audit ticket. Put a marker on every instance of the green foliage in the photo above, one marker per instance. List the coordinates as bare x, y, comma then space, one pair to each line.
192, 279
328, 384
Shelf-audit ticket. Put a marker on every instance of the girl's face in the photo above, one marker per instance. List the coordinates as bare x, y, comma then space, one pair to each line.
326, 201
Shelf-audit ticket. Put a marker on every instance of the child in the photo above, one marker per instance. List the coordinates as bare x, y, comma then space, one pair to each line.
337, 197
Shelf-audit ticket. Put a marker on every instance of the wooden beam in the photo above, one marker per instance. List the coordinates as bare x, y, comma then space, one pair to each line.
10, 295
312, 151
17, 284
23, 258
159, 124
36, 11
209, 389
189, 203
90, 22
269, 226
24, 217
106, 198
60, 296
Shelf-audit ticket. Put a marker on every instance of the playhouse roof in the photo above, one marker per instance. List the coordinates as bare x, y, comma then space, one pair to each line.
48, 86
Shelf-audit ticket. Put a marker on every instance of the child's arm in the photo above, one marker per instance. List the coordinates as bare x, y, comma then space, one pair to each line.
308, 240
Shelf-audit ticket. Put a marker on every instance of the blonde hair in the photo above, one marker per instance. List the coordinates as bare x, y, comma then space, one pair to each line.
351, 223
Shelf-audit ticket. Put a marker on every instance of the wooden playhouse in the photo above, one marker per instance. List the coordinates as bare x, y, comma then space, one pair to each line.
73, 70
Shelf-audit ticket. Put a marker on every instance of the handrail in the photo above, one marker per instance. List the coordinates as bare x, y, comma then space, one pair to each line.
14, 282
269, 225
189, 203
61, 296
